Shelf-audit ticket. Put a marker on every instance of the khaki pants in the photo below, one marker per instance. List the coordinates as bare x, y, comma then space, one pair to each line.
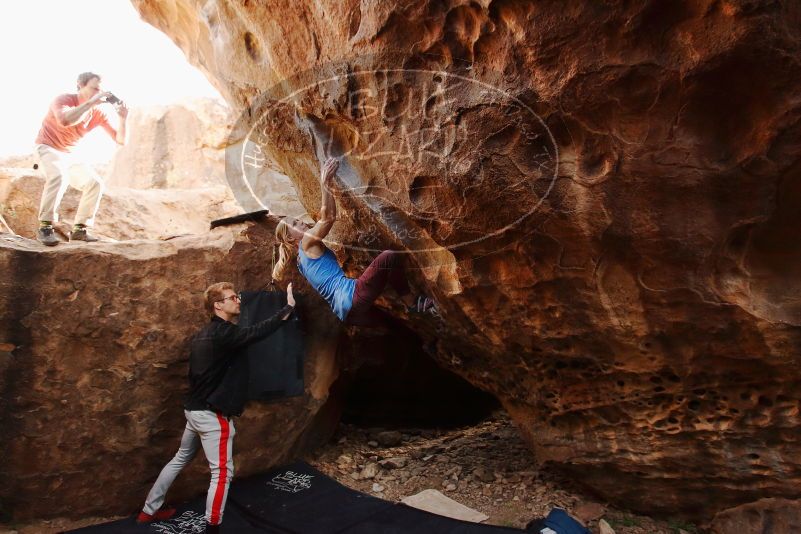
61, 171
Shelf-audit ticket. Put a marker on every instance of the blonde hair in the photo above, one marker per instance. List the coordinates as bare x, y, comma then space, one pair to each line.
214, 293
285, 249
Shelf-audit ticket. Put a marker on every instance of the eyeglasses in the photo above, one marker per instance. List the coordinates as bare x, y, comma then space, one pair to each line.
235, 297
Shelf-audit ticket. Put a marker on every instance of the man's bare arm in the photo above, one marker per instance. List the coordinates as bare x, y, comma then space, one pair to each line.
72, 116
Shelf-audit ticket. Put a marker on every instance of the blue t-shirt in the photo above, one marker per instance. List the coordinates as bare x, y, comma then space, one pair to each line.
326, 277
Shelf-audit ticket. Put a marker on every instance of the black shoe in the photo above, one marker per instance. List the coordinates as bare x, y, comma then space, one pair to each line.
47, 236
212, 529
80, 234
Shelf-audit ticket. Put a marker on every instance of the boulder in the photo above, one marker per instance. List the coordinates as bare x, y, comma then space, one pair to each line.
389, 438
93, 364
124, 213
189, 145
603, 199
177, 146
760, 517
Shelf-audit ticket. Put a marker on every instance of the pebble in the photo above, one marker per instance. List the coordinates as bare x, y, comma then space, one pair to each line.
455, 470
396, 462
370, 471
389, 438
484, 475
589, 511
604, 527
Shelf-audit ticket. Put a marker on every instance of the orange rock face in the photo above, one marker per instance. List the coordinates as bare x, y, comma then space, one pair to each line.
604, 200
93, 367
177, 146
765, 515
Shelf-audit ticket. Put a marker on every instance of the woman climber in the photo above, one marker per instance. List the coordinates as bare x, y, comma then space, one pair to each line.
352, 299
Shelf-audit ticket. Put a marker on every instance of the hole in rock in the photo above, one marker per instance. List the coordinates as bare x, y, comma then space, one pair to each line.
389, 380
354, 22
764, 401
252, 46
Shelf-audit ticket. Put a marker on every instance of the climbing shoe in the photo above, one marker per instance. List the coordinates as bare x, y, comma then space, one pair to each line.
424, 305
160, 515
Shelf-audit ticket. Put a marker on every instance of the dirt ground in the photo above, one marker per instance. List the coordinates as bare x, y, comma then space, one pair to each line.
485, 466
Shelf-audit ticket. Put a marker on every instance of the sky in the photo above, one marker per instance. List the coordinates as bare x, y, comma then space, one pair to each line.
45, 45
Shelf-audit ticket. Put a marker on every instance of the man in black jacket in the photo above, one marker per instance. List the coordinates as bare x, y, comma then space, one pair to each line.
213, 350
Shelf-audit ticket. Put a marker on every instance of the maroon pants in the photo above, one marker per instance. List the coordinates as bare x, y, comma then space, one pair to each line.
387, 268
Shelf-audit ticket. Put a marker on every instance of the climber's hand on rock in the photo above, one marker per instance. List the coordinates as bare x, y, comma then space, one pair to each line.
329, 171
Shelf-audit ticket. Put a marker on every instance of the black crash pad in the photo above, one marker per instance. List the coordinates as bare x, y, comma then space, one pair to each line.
298, 499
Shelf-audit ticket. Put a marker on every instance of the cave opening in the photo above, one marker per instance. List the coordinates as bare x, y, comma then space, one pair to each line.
389, 379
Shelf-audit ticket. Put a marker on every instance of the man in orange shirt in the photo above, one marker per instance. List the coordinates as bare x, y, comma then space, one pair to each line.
69, 118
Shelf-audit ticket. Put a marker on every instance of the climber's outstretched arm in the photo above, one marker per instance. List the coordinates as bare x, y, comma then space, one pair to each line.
313, 239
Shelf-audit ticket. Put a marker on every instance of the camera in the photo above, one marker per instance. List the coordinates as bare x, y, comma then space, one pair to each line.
112, 99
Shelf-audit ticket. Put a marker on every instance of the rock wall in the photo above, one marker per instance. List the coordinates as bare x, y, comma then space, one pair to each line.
124, 213
178, 146
760, 517
603, 197
186, 146
93, 369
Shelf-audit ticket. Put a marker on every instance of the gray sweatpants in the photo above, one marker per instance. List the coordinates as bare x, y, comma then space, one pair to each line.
216, 434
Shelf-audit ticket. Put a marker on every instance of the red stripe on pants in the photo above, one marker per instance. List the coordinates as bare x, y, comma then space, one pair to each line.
219, 493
